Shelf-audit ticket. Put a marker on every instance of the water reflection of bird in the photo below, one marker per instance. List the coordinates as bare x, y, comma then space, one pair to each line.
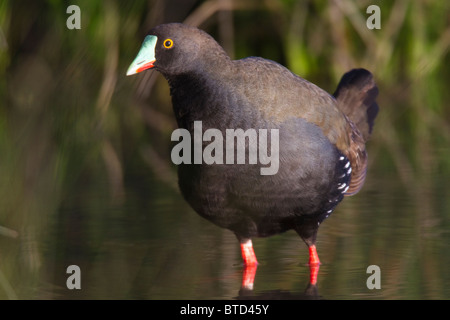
322, 154
311, 293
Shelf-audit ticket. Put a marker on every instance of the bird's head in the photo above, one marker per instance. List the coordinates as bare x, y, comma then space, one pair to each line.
175, 49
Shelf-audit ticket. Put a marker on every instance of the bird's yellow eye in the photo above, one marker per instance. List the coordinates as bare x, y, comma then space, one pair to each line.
168, 43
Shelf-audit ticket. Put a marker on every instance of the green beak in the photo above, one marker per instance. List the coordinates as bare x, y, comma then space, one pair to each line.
145, 57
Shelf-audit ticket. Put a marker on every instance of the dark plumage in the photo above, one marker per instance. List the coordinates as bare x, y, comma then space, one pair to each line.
322, 154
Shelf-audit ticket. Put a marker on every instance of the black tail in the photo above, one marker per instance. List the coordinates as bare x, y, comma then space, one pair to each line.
356, 94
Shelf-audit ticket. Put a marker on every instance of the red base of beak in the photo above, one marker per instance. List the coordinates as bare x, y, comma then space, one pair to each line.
146, 66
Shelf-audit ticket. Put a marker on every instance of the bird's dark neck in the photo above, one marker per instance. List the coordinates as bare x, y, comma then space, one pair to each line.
198, 96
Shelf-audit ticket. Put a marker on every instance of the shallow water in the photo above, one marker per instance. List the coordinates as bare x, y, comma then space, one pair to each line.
156, 247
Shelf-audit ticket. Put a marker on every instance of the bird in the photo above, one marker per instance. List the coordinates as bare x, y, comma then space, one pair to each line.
322, 137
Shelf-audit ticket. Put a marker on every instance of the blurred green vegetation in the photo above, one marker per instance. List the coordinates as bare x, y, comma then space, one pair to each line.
71, 122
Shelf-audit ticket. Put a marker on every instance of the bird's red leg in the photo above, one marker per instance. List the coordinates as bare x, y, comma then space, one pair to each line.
313, 256
247, 253
250, 264
314, 264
